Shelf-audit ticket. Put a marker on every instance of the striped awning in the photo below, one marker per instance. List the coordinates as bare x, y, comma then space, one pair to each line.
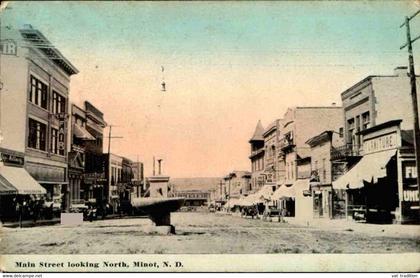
6, 188
21, 180
368, 169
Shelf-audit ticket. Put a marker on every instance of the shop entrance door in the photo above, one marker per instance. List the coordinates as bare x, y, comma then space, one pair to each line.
318, 211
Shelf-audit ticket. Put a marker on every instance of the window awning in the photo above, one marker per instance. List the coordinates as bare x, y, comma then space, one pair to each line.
369, 168
285, 192
21, 180
291, 191
6, 188
265, 192
82, 133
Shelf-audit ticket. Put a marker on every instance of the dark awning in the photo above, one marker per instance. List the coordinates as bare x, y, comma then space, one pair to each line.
82, 133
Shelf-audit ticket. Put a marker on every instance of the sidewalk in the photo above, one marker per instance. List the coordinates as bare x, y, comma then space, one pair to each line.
31, 223
389, 230
55, 221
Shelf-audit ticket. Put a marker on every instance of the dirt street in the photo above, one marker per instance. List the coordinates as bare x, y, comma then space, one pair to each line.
201, 233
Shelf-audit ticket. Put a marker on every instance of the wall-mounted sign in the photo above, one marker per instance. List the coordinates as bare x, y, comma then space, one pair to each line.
12, 159
8, 47
410, 195
382, 143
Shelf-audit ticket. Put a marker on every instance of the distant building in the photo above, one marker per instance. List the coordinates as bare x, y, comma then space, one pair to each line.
257, 158
94, 180
113, 174
327, 203
78, 138
193, 197
237, 184
273, 170
138, 179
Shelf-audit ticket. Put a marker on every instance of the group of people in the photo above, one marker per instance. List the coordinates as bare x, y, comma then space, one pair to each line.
29, 207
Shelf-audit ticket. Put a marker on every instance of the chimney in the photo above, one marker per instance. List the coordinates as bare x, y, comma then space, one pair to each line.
401, 71
27, 26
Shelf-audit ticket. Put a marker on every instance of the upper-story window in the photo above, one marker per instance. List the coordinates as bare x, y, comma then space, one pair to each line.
350, 129
38, 93
37, 135
54, 141
365, 120
58, 103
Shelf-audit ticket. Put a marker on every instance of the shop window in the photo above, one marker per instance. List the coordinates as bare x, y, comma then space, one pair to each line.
37, 135
38, 93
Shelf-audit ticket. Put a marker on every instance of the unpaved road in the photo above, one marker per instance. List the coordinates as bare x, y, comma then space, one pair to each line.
199, 233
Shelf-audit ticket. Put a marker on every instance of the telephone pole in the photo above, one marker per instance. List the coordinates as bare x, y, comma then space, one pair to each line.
409, 46
111, 137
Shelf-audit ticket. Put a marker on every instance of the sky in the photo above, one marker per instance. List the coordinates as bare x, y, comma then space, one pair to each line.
226, 66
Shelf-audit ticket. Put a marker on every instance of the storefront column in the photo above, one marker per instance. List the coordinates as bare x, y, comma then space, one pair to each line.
398, 211
346, 203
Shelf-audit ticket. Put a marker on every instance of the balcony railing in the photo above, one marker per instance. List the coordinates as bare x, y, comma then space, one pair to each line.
285, 144
345, 151
256, 152
304, 174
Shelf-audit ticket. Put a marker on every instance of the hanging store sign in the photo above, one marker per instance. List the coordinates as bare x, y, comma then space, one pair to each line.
382, 143
8, 47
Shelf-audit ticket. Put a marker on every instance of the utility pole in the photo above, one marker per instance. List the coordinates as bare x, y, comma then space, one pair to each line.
111, 137
413, 95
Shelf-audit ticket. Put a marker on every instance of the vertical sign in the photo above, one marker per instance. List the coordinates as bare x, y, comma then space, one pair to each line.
61, 133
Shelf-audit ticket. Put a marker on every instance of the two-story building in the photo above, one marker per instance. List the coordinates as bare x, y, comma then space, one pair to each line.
327, 203
298, 125
138, 179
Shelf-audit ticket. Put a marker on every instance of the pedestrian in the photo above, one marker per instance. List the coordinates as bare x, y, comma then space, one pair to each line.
36, 210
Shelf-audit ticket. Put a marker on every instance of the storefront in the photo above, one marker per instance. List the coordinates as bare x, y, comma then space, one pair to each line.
17, 187
381, 187
284, 197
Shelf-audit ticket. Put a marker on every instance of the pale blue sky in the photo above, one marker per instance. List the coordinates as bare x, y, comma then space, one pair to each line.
227, 64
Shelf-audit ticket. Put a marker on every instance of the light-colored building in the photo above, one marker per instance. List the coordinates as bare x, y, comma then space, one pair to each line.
34, 109
237, 184
300, 124
113, 175
375, 100
324, 170
138, 178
